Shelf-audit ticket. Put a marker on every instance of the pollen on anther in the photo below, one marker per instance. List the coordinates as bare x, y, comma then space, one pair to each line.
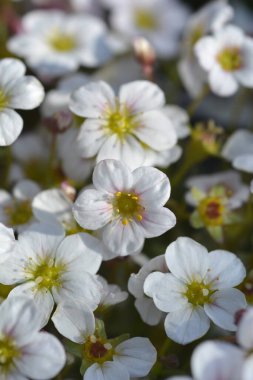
125, 221
93, 339
205, 292
139, 218
108, 346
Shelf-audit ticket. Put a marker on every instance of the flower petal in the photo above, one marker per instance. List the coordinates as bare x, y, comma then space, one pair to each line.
127, 150
7, 240
187, 324
123, 239
92, 209
82, 287
42, 299
138, 355
187, 259
148, 311
226, 270
86, 257
74, 321
156, 222
106, 371
152, 185
10, 70
52, 205
206, 49
152, 283
247, 369
217, 360
19, 319
43, 358
222, 307
26, 93
244, 162
111, 176
41, 240
221, 82
25, 190
92, 100
91, 137
156, 130
245, 330
167, 292
11, 125
141, 96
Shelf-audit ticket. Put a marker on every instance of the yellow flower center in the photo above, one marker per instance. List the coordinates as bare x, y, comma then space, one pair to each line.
145, 19
230, 59
120, 121
3, 100
128, 207
46, 274
62, 42
19, 212
198, 293
97, 350
8, 352
211, 210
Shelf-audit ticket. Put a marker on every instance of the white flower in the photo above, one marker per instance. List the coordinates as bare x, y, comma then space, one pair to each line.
215, 199
145, 305
239, 150
227, 57
211, 17
17, 91
131, 358
16, 209
127, 205
199, 287
45, 266
159, 21
230, 181
215, 361
54, 43
53, 207
118, 127
111, 294
25, 352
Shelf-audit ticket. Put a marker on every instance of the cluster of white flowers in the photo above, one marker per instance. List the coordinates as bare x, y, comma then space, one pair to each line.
111, 171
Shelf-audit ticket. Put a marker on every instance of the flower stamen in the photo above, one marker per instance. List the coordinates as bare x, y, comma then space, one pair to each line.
230, 59
128, 207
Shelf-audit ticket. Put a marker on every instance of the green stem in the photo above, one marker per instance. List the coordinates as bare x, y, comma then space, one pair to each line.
5, 165
158, 367
238, 107
194, 154
192, 108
